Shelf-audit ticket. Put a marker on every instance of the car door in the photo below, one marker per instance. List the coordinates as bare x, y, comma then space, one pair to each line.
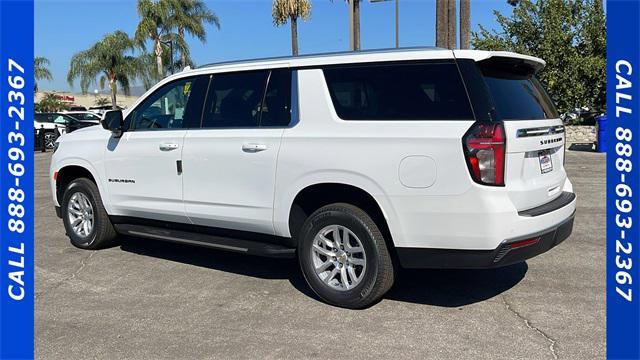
230, 163
143, 166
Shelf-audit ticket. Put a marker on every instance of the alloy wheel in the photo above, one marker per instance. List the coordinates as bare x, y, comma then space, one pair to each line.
339, 259
81, 215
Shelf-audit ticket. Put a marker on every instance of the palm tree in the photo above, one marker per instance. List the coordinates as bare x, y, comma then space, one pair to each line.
442, 23
452, 25
291, 10
108, 60
155, 25
190, 17
355, 35
356, 24
41, 70
465, 24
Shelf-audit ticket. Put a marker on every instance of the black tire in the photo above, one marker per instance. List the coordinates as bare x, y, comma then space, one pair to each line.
379, 275
102, 234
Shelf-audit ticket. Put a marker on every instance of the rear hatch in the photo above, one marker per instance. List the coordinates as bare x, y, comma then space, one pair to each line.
534, 161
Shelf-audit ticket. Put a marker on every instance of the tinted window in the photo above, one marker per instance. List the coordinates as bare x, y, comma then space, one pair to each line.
176, 105
518, 96
276, 110
45, 117
85, 116
398, 92
234, 100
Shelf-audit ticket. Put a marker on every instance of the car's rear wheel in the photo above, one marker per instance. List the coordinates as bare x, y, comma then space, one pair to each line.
85, 219
344, 257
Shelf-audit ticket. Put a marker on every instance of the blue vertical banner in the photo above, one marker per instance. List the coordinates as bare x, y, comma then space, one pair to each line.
16, 179
623, 180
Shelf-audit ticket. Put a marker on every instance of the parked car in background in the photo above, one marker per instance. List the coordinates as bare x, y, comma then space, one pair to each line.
579, 116
56, 124
72, 123
102, 109
52, 130
76, 108
87, 116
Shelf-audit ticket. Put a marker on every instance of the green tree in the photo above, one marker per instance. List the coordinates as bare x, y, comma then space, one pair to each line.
190, 17
570, 35
41, 70
50, 102
110, 60
284, 11
155, 25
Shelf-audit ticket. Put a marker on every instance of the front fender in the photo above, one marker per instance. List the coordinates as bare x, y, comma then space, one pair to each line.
57, 166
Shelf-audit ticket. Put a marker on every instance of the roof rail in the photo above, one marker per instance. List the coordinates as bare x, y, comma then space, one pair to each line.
327, 54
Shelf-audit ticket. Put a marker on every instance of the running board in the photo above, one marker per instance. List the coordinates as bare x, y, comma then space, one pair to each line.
211, 241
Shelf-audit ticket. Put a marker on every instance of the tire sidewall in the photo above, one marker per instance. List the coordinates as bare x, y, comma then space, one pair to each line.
335, 216
82, 187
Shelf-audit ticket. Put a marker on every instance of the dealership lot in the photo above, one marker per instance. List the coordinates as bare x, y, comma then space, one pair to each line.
150, 300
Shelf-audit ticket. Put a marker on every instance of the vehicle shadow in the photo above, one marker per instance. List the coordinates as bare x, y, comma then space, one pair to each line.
241, 264
453, 288
445, 288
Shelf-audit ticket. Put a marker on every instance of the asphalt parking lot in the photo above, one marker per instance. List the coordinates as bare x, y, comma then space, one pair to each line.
152, 300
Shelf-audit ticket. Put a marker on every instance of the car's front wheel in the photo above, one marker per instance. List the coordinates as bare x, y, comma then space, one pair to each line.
344, 257
85, 219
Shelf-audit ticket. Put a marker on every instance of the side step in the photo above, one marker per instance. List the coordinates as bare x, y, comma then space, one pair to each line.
211, 241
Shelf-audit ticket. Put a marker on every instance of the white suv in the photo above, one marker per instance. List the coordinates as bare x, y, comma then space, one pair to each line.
357, 164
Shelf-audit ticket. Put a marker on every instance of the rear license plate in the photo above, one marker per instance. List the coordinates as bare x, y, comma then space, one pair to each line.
545, 161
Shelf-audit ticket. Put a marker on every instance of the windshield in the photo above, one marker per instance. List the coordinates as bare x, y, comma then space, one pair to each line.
518, 96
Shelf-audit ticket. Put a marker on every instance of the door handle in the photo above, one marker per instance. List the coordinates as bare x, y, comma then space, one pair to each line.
168, 146
253, 148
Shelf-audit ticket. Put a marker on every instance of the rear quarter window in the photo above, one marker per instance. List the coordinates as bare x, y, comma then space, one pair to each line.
421, 91
518, 96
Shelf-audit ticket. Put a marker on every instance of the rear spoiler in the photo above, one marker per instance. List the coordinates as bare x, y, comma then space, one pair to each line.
517, 62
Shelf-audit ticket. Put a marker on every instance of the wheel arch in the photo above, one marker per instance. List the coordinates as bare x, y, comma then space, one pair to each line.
313, 196
72, 170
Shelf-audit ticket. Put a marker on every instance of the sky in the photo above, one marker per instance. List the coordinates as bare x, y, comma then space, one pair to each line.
64, 27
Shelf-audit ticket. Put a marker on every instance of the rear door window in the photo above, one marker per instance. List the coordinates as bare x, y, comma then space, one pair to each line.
276, 110
420, 91
235, 100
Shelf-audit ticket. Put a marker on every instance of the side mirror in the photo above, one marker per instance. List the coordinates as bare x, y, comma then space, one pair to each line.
113, 121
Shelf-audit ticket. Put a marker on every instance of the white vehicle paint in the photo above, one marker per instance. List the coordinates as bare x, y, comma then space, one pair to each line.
482, 188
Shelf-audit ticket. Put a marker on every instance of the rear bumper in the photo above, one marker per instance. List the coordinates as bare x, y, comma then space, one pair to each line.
506, 253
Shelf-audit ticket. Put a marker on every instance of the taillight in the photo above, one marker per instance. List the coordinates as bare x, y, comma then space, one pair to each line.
484, 148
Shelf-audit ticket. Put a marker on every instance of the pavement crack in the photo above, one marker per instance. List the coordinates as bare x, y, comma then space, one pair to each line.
83, 263
552, 342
